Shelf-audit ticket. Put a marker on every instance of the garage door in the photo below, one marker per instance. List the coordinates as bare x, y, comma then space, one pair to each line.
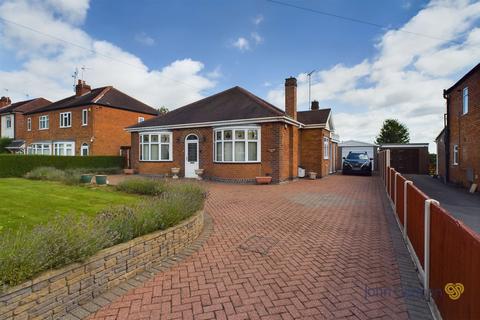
405, 160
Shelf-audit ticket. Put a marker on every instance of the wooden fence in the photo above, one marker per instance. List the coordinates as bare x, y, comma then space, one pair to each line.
446, 252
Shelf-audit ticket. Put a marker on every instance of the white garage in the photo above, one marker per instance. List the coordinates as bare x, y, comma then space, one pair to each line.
358, 146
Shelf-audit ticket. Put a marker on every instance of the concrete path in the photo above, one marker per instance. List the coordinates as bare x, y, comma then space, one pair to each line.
458, 201
324, 249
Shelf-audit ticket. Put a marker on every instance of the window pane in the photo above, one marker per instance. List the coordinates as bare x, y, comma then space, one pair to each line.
165, 152
165, 138
227, 153
219, 135
155, 151
154, 138
192, 152
252, 135
239, 134
145, 155
227, 135
219, 151
239, 151
145, 138
252, 151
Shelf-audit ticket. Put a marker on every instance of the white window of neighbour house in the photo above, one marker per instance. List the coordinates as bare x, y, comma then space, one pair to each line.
64, 148
43, 122
65, 119
455, 154
84, 117
29, 124
326, 148
141, 119
465, 100
8, 122
156, 146
237, 144
39, 149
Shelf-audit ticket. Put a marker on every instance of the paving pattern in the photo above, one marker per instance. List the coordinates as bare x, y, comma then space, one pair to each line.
304, 250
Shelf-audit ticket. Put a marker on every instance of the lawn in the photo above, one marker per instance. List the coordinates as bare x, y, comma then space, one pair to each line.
30, 202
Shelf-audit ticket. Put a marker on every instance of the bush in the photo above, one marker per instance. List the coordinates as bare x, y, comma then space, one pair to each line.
4, 142
69, 176
142, 186
66, 239
13, 165
46, 173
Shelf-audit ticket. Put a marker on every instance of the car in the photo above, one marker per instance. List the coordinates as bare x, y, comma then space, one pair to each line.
357, 163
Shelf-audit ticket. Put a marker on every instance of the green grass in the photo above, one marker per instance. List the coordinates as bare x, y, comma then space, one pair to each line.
28, 202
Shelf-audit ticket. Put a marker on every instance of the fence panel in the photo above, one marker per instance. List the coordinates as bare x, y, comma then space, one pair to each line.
392, 184
416, 220
454, 258
400, 197
387, 180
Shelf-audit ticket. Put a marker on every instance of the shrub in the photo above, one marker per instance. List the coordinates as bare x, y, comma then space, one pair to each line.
142, 186
4, 142
46, 173
18, 165
69, 176
25, 253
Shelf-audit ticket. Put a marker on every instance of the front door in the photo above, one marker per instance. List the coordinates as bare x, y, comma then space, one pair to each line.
191, 156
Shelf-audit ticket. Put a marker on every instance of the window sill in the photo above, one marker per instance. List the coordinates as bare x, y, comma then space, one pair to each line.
43, 129
156, 160
65, 127
237, 162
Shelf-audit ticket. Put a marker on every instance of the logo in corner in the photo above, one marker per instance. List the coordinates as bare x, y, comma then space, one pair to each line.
454, 290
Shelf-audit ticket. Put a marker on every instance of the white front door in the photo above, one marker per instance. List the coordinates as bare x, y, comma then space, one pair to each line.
191, 156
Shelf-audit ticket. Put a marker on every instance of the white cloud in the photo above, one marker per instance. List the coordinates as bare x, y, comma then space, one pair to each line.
46, 64
406, 77
258, 19
241, 44
256, 37
144, 39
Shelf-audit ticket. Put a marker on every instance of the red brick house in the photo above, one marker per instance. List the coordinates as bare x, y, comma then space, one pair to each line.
458, 144
12, 120
237, 136
91, 122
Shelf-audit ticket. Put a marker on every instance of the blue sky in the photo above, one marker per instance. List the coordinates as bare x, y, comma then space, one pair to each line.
173, 53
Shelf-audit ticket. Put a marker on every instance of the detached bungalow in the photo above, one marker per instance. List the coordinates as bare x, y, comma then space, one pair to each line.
237, 136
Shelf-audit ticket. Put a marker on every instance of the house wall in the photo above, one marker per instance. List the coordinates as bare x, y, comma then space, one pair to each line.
464, 130
276, 152
311, 153
106, 128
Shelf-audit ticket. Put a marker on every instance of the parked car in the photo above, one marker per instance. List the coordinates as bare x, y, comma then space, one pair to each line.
357, 162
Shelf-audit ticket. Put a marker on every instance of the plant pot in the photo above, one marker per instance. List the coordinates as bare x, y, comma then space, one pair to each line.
312, 175
128, 171
263, 180
199, 173
101, 179
86, 178
175, 172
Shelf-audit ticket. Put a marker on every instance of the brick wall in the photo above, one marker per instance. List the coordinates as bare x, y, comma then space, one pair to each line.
311, 154
275, 156
20, 126
105, 126
465, 130
54, 293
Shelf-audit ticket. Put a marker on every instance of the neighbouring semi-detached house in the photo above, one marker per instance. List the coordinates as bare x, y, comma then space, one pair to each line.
91, 122
12, 120
237, 136
458, 145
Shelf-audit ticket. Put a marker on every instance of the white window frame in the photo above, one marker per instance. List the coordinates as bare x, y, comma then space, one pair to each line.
455, 155
84, 117
29, 124
56, 148
149, 143
45, 119
258, 140
465, 100
66, 119
39, 148
140, 119
85, 146
8, 122
326, 148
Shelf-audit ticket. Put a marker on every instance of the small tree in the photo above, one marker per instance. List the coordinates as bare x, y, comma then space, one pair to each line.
393, 131
163, 110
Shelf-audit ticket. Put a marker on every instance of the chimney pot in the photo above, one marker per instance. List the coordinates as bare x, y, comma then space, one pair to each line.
82, 88
291, 97
315, 105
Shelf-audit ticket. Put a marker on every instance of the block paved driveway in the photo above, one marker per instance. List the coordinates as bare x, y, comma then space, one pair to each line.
302, 250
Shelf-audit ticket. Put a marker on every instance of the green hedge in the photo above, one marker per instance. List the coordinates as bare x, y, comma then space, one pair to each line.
18, 165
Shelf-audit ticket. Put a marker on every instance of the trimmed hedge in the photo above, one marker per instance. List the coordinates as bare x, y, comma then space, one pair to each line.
13, 165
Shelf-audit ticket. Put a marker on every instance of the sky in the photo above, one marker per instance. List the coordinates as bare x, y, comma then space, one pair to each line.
176, 52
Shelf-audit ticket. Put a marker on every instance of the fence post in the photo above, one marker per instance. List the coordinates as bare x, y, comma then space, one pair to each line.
387, 159
395, 190
405, 209
426, 249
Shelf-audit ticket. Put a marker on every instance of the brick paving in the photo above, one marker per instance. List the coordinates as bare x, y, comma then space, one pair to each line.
323, 249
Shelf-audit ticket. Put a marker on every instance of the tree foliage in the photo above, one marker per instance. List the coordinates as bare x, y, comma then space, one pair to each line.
163, 110
393, 131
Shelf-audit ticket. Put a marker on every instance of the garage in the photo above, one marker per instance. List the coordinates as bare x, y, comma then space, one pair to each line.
408, 158
356, 146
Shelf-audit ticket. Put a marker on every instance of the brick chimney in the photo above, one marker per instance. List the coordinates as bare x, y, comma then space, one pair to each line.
82, 88
5, 101
315, 105
291, 97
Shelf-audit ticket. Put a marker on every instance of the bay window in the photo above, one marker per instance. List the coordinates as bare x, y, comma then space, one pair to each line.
39, 149
156, 146
64, 148
237, 144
